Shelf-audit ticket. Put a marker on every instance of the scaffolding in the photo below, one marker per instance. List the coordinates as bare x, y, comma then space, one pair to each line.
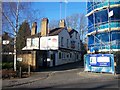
104, 25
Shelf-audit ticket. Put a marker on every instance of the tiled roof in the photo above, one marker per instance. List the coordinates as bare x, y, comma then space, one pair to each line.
36, 35
72, 31
55, 31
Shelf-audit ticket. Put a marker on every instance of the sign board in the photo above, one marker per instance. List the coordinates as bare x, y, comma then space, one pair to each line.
28, 42
99, 60
32, 43
35, 42
5, 42
49, 43
19, 59
99, 63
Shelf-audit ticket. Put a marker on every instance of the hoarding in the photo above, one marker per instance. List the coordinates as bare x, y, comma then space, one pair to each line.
32, 43
49, 43
35, 42
28, 42
99, 63
99, 60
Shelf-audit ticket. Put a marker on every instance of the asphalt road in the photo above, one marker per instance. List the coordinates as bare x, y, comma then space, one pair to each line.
67, 77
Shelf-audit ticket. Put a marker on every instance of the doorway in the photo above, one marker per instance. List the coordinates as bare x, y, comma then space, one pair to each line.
53, 59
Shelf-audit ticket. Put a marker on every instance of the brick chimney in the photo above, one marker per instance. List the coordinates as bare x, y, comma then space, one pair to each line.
62, 23
44, 27
69, 29
34, 28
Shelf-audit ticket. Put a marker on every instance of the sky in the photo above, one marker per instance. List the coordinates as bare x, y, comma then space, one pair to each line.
51, 10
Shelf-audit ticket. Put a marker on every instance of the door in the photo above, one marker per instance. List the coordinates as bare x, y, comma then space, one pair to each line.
54, 59
44, 59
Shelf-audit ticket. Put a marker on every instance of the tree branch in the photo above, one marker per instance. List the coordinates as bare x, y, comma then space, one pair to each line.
9, 21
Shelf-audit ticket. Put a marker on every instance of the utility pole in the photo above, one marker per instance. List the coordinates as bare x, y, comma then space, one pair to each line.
60, 9
65, 8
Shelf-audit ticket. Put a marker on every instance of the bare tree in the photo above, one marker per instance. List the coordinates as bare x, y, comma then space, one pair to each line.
82, 27
72, 21
76, 21
79, 23
14, 13
53, 24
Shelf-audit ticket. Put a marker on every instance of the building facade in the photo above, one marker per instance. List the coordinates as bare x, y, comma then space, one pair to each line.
52, 47
103, 25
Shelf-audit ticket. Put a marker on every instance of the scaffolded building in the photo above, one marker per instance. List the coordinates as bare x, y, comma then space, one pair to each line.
103, 25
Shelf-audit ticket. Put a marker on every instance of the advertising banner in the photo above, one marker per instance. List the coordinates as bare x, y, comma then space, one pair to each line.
32, 43
49, 43
28, 42
99, 63
35, 42
100, 60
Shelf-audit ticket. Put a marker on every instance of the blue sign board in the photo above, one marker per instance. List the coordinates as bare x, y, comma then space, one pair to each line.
99, 60
99, 63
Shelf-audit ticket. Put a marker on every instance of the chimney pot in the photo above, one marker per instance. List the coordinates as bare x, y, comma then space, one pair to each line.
44, 27
62, 23
34, 28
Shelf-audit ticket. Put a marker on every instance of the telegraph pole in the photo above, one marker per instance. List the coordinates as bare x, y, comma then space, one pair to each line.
65, 8
60, 9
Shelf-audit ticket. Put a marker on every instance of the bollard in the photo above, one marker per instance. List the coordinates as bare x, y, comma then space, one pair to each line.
20, 73
29, 70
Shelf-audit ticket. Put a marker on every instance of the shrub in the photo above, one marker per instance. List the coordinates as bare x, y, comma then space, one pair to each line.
23, 66
7, 65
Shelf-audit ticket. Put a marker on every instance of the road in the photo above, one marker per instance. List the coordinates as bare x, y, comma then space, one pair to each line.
73, 78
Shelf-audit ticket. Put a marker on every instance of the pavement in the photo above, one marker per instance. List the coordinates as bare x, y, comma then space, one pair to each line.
40, 74
19, 81
46, 73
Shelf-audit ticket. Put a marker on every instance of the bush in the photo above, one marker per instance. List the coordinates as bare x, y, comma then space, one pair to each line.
23, 66
7, 65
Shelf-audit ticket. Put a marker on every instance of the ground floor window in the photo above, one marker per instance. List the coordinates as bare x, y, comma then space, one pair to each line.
70, 55
59, 55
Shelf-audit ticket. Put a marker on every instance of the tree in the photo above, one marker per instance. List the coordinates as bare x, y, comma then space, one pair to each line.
79, 23
53, 24
7, 47
23, 33
13, 13
73, 21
